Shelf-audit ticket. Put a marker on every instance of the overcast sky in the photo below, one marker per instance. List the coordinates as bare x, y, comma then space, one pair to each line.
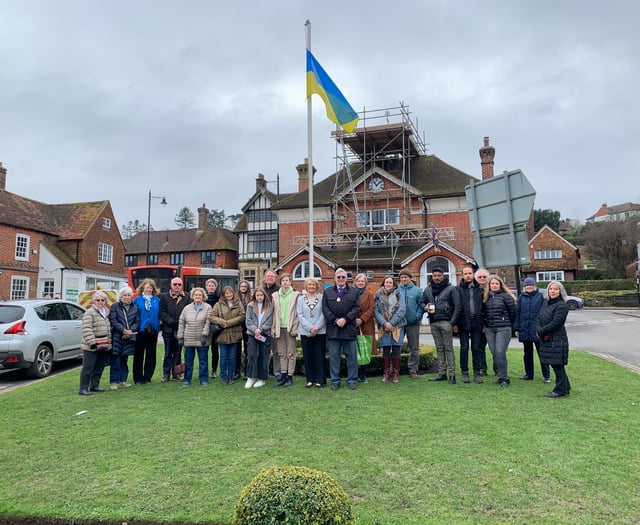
192, 99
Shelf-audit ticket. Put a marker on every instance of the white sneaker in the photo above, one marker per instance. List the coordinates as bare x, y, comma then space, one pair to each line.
250, 382
259, 383
113, 386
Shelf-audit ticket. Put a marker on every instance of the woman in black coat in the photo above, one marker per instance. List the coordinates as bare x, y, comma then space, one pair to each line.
554, 344
125, 322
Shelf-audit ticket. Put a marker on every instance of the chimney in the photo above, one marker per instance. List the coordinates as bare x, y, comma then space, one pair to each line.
487, 154
261, 183
303, 175
203, 217
3, 177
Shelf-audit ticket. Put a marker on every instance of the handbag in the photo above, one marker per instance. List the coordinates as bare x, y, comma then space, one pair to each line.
214, 330
179, 369
364, 344
102, 343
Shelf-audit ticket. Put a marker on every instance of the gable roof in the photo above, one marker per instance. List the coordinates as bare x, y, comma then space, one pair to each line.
184, 240
547, 228
429, 175
67, 221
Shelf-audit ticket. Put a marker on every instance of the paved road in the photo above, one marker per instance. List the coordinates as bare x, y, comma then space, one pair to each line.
610, 334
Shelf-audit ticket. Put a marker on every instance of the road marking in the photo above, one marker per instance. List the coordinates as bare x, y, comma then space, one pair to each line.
617, 361
605, 321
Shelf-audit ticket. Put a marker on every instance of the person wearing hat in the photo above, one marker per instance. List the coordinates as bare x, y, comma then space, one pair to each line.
441, 301
527, 309
412, 296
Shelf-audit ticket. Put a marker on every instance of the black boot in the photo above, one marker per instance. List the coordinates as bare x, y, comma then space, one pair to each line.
439, 377
288, 381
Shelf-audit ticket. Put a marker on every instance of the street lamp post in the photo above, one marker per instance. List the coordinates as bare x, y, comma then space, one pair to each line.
163, 202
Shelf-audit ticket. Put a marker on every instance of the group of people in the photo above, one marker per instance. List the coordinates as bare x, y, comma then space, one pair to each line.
267, 322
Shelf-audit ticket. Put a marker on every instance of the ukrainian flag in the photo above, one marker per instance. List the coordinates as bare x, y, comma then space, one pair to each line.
338, 109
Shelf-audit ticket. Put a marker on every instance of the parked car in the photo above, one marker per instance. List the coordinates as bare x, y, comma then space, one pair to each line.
35, 333
574, 302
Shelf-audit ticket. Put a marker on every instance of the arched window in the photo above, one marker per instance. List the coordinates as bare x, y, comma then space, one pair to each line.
301, 271
437, 262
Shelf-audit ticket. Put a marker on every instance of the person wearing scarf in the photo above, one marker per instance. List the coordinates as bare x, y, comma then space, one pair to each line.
365, 319
95, 351
144, 357
389, 310
312, 331
125, 321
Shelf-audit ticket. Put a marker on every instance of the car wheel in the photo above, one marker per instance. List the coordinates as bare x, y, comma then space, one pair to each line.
42, 362
573, 305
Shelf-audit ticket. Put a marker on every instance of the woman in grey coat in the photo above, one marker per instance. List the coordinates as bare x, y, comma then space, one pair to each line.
193, 333
95, 344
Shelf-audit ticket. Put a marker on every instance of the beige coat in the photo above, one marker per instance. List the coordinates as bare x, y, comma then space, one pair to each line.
94, 324
194, 324
292, 325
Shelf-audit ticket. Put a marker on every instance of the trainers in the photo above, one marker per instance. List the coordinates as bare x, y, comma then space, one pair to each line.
165, 378
124, 384
504, 384
213, 375
414, 375
113, 386
465, 378
259, 383
185, 384
547, 380
204, 384
477, 379
250, 383
439, 377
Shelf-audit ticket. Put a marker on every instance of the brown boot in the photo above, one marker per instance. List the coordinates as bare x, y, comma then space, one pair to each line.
387, 369
165, 378
396, 370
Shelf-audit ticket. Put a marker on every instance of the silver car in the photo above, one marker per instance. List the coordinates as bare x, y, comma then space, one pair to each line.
35, 333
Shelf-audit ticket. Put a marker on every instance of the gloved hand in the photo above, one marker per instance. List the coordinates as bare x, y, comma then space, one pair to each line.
180, 342
203, 340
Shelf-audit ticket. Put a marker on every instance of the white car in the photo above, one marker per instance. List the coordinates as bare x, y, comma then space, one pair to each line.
35, 333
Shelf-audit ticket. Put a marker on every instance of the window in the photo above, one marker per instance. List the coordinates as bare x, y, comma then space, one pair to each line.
262, 242
105, 253
547, 254
261, 216
208, 257
152, 258
106, 223
250, 277
131, 260
437, 262
48, 288
19, 287
22, 247
301, 271
378, 219
550, 276
176, 258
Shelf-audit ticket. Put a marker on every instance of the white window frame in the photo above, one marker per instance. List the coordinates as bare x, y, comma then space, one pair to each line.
105, 253
301, 271
106, 223
19, 287
23, 242
543, 255
388, 216
550, 275
48, 287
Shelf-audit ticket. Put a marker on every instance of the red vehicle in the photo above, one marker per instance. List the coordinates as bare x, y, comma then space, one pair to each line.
192, 277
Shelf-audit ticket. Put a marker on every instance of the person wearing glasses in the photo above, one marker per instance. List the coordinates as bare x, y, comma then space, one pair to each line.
193, 333
341, 306
171, 305
125, 321
144, 357
481, 277
95, 344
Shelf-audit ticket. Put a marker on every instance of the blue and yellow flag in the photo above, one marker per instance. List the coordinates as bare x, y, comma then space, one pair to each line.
338, 109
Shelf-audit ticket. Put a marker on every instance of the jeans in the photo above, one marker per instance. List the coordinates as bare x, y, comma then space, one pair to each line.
227, 360
528, 360
119, 369
478, 344
498, 340
413, 340
348, 346
203, 364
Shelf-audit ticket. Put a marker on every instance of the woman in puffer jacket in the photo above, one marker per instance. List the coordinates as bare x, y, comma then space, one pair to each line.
95, 344
193, 333
125, 322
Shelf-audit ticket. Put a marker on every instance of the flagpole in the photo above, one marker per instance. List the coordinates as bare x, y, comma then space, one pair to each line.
310, 161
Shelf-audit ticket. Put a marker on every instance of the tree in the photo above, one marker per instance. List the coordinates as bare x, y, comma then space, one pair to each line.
185, 218
549, 217
130, 229
219, 219
612, 245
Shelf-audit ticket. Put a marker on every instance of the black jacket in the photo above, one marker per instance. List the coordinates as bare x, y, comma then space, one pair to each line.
170, 310
499, 311
448, 307
554, 343
465, 301
122, 318
348, 307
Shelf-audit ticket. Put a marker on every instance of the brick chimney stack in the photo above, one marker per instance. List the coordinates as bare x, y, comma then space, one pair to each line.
261, 183
487, 154
3, 177
203, 217
303, 175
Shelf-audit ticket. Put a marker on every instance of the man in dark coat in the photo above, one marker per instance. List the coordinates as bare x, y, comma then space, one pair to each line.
527, 309
171, 305
470, 327
341, 306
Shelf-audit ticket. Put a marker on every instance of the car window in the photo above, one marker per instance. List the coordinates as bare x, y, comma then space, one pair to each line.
48, 312
10, 313
74, 312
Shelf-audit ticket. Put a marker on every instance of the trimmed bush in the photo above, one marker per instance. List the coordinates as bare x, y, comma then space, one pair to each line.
293, 495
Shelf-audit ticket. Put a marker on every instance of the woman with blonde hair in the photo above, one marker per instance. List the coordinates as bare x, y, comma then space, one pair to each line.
193, 333
144, 356
285, 328
312, 330
228, 313
365, 320
499, 313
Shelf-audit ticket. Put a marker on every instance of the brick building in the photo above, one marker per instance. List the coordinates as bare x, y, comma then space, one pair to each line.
50, 249
552, 257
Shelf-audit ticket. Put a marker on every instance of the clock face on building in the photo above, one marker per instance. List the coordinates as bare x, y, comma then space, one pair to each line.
376, 185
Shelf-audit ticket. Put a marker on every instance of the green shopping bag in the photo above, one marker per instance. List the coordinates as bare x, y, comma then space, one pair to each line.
364, 345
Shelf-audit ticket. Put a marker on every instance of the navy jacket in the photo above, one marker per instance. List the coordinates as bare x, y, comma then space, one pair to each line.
348, 307
527, 310
122, 318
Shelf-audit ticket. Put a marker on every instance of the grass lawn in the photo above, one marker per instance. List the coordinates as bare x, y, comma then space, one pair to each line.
417, 452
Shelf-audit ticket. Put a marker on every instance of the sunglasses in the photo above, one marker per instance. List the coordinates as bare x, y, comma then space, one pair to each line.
176, 284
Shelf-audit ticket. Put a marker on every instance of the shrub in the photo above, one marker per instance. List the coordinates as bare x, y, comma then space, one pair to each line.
293, 495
